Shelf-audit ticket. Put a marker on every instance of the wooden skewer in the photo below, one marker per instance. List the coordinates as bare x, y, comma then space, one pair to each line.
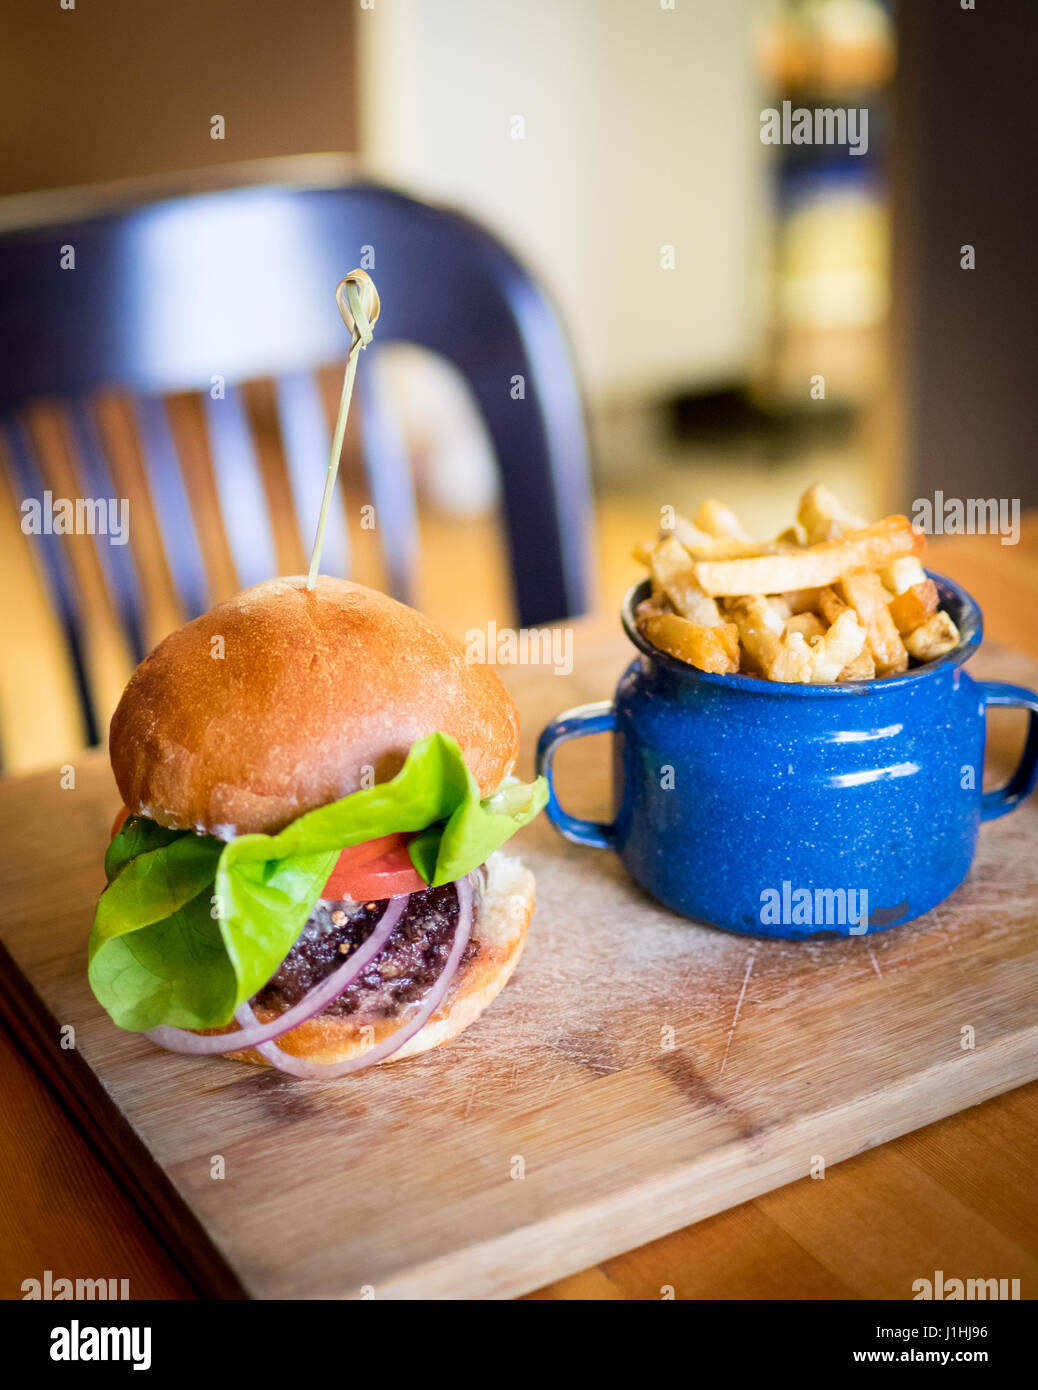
359, 306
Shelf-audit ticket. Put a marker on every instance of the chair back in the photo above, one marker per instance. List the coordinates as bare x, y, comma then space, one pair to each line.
178, 353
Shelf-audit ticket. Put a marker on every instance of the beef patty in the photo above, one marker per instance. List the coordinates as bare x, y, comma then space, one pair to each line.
402, 972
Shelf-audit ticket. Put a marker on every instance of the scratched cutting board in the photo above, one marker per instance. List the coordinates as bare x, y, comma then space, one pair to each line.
639, 1073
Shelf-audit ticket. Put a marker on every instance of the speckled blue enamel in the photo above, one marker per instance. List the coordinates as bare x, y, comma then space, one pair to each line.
865, 785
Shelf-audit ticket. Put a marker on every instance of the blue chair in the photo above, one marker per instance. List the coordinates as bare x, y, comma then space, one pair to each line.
173, 297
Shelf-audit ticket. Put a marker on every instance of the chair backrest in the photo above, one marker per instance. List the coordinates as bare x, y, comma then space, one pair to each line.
130, 351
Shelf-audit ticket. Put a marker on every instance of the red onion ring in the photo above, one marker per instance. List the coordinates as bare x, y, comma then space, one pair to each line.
197, 1044
327, 1071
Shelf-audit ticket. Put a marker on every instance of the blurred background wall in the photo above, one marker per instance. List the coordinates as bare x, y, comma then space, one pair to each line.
593, 137
116, 89
964, 340
708, 282
603, 139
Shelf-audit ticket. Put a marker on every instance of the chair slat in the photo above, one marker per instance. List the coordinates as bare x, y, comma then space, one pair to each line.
307, 443
261, 406
106, 651
389, 477
116, 560
27, 481
171, 502
42, 719
240, 487
56, 565
161, 610
191, 443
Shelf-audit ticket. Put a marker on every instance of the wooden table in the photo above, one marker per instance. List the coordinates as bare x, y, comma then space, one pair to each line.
958, 1195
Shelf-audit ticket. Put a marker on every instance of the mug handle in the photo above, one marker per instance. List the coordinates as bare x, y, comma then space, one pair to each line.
599, 718
1020, 786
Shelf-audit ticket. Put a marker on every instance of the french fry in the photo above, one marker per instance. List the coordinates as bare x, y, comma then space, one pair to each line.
862, 668
728, 635
911, 608
718, 520
933, 638
683, 531
830, 604
760, 627
842, 644
813, 567
902, 574
674, 572
792, 661
713, 549
820, 660
651, 608
713, 649
864, 592
823, 517
703, 546
808, 623
802, 600
790, 656
830, 599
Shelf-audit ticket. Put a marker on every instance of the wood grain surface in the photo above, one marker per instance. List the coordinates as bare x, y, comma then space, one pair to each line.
783, 1053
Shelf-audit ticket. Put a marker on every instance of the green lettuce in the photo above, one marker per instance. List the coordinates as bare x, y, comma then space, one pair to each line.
189, 926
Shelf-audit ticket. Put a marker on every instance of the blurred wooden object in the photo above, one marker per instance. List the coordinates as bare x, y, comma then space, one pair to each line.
136, 88
67, 1211
957, 1195
171, 357
963, 338
106, 650
41, 720
831, 1048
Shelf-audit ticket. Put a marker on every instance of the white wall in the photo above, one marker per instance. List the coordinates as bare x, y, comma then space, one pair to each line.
641, 130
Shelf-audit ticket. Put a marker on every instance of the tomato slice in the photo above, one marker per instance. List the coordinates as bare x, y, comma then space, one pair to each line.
376, 869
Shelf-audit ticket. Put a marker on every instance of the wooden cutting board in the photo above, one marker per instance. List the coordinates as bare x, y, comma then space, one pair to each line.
640, 1072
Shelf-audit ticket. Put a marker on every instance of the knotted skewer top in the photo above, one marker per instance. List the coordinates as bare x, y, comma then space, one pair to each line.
359, 305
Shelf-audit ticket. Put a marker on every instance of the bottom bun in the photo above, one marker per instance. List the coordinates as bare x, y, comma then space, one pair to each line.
500, 933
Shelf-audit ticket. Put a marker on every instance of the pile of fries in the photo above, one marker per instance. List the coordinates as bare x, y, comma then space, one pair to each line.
830, 599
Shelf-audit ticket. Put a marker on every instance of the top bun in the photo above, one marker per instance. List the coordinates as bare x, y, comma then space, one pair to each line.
303, 692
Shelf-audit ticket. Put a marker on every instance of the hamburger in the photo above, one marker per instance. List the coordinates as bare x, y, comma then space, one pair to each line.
307, 871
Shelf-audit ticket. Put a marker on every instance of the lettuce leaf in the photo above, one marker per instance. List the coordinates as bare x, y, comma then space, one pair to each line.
190, 927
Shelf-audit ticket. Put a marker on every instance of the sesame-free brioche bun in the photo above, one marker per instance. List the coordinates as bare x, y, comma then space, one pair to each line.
276, 702
499, 932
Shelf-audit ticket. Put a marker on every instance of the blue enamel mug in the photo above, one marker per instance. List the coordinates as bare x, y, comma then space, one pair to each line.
797, 810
